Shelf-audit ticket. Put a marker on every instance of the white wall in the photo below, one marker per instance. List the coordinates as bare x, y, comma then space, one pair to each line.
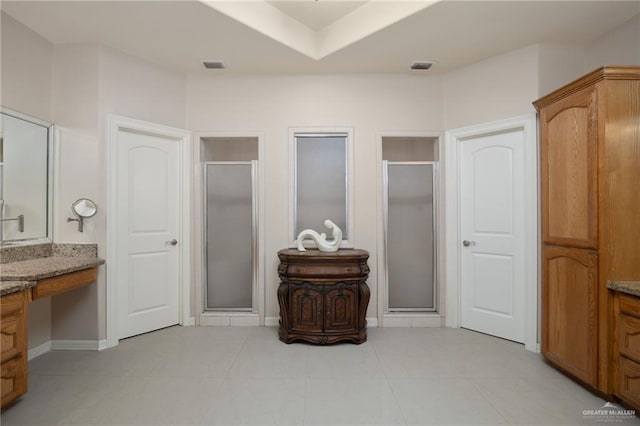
272, 104
26, 87
558, 65
75, 112
90, 82
138, 89
499, 87
620, 46
562, 64
26, 69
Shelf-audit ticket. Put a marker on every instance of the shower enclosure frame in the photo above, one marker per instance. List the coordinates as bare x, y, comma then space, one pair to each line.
385, 225
255, 299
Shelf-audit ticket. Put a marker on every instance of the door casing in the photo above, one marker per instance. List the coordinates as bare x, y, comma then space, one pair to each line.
452, 158
181, 136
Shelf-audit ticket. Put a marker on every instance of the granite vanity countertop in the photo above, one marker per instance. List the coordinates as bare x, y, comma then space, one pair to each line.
8, 287
628, 287
46, 267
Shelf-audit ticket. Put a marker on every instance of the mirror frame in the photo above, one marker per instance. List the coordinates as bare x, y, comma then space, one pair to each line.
80, 200
51, 130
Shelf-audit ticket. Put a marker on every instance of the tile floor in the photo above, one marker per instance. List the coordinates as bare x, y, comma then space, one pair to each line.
245, 376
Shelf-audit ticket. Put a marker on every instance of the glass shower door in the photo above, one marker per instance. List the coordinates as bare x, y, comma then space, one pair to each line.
230, 232
410, 235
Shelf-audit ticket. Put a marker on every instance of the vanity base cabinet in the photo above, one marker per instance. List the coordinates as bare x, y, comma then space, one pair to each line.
13, 332
626, 349
323, 297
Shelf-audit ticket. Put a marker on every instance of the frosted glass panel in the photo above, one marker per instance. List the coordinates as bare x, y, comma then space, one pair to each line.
410, 236
321, 191
229, 236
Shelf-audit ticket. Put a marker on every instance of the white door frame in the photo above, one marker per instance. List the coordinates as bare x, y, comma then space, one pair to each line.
117, 124
453, 138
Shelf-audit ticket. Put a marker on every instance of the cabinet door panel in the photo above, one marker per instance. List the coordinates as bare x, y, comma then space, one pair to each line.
629, 336
629, 381
569, 303
13, 380
306, 308
10, 335
569, 171
12, 326
341, 308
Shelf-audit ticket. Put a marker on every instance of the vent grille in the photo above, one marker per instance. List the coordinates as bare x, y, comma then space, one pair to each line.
213, 65
421, 65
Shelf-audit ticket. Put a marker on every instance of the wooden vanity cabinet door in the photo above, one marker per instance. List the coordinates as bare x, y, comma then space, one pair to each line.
626, 349
629, 336
569, 165
570, 311
628, 384
13, 375
12, 328
13, 332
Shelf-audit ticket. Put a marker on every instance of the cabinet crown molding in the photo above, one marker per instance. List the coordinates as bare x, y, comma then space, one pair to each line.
602, 73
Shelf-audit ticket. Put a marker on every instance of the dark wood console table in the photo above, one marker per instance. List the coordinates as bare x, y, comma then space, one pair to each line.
323, 296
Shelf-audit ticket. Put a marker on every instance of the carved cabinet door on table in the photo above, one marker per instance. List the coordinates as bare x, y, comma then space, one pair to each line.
323, 296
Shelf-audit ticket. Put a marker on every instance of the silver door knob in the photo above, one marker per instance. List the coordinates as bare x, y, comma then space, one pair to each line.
468, 243
172, 242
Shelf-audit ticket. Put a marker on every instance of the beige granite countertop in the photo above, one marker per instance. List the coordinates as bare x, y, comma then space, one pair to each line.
628, 287
21, 267
8, 287
46, 267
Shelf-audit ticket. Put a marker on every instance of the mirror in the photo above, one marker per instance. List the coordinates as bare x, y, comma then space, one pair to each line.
83, 208
25, 183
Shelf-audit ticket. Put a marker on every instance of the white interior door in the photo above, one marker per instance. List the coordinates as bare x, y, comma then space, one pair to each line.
492, 234
148, 227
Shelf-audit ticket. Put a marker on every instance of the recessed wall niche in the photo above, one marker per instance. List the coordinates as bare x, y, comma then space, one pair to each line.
402, 148
409, 169
230, 228
228, 149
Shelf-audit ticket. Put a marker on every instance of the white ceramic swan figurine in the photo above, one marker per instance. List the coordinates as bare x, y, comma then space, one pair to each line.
321, 239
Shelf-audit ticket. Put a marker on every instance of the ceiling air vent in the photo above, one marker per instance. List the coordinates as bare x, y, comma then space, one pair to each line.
213, 65
421, 65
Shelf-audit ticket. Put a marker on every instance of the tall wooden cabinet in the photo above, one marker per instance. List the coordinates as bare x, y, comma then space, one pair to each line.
590, 185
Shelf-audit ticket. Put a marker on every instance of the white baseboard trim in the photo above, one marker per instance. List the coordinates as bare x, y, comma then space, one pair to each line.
412, 320
372, 322
78, 345
190, 323
229, 319
272, 321
39, 350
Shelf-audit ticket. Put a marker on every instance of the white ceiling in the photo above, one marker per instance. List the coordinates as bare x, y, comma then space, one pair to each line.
380, 36
317, 14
